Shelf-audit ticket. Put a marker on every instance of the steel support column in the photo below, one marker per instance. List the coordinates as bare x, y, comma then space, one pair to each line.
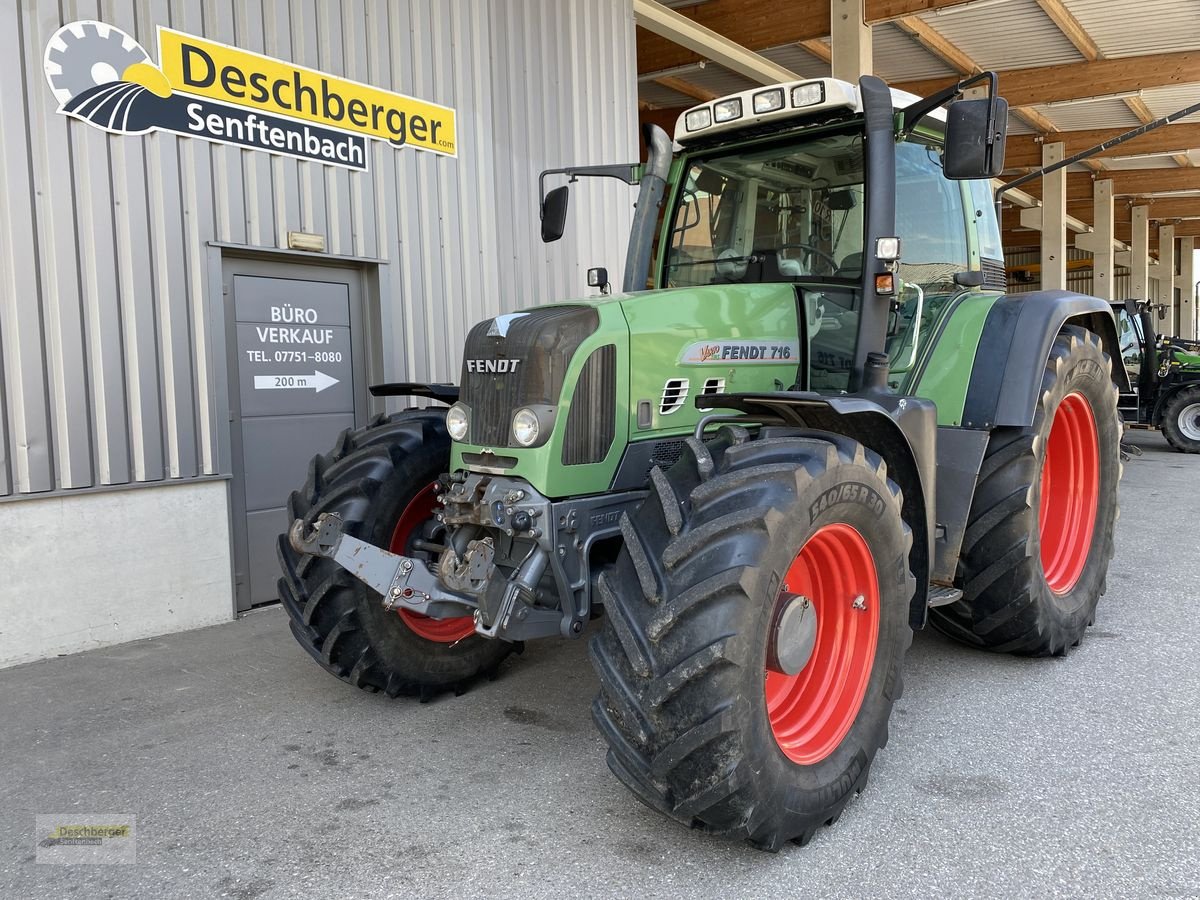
1186, 282
1099, 242
850, 40
1054, 220
1166, 276
1139, 255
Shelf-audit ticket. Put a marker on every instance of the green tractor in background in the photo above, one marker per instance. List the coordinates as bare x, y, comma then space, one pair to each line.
822, 427
1164, 377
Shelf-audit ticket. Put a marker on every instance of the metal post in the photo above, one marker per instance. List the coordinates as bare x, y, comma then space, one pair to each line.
1166, 277
1139, 262
1099, 242
850, 40
1054, 220
1187, 288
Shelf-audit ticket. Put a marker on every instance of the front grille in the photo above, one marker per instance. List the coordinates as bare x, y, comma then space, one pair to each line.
542, 343
592, 422
994, 274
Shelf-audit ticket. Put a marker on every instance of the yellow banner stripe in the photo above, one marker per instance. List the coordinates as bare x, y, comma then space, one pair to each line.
194, 65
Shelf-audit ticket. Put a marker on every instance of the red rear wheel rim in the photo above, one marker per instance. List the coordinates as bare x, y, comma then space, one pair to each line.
417, 513
1070, 493
812, 711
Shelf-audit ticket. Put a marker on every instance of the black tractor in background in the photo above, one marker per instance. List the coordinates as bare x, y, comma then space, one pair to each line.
1164, 373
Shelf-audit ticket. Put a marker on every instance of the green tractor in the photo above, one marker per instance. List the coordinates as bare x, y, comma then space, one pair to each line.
822, 427
1164, 376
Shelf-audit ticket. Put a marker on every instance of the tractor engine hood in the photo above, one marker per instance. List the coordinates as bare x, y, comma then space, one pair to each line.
555, 394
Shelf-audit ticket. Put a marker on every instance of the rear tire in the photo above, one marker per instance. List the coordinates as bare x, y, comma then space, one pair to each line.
1181, 420
374, 478
700, 724
1039, 538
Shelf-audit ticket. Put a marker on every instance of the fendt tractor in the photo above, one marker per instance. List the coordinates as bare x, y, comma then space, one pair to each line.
1164, 377
824, 425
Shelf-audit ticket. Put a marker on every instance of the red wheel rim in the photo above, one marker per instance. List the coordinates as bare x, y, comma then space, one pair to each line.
416, 514
812, 711
1070, 493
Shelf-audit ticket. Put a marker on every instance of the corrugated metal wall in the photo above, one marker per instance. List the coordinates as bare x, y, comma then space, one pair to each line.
106, 282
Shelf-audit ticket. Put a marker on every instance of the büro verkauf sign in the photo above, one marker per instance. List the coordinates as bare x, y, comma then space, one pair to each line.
208, 90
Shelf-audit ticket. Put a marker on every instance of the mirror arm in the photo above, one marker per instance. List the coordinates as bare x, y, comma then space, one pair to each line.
914, 113
626, 172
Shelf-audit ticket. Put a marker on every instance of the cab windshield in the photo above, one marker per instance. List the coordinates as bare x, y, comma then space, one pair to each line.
786, 212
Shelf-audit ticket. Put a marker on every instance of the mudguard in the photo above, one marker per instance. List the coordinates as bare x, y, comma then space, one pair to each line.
903, 430
445, 393
1014, 347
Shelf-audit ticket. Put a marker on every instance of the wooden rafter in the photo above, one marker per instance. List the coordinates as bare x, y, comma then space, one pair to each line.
1069, 26
1075, 81
945, 50
1139, 108
758, 26
682, 86
819, 49
1026, 149
1127, 182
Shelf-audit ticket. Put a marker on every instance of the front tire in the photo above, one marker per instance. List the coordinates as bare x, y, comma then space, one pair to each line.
1181, 420
380, 480
701, 721
1040, 532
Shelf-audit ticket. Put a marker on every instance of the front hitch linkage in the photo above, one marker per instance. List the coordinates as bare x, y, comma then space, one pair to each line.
401, 581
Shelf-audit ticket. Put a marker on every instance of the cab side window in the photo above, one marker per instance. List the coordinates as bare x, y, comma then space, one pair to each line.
929, 219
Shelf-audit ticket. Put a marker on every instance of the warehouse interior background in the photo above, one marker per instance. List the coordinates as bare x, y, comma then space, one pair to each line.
154, 407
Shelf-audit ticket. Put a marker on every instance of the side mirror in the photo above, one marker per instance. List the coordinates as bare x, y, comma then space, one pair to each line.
1131, 307
975, 135
554, 214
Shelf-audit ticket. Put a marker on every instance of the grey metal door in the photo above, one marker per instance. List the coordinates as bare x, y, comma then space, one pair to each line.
297, 380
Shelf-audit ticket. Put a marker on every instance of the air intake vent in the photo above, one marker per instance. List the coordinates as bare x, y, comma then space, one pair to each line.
592, 421
714, 386
674, 395
994, 274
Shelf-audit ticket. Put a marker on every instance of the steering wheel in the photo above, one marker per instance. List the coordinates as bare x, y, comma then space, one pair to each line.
812, 251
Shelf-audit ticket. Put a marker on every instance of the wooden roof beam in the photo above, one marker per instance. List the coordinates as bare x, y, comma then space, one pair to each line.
704, 41
1126, 182
1026, 149
1069, 26
757, 26
1075, 81
681, 86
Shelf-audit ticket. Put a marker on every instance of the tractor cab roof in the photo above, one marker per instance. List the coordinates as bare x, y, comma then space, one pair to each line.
783, 103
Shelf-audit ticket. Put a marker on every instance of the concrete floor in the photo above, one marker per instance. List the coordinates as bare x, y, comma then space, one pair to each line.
252, 773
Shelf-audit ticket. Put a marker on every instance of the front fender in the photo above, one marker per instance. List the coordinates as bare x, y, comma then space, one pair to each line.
1015, 345
902, 430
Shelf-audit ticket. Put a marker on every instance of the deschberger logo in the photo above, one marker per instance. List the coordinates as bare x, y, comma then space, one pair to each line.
203, 89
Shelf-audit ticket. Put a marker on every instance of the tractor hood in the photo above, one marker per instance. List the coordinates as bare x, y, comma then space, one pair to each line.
587, 377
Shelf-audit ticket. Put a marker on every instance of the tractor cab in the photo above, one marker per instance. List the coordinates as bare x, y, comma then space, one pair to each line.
1139, 355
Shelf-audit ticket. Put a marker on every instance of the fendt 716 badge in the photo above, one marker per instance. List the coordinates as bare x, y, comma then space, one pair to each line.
201, 88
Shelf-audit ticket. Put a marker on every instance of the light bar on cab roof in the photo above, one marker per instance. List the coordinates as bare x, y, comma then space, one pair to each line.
779, 101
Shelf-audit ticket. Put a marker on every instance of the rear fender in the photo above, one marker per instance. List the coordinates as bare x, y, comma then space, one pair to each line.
1014, 347
902, 430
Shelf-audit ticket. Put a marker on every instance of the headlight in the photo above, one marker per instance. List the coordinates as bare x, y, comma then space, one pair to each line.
728, 110
457, 422
808, 94
697, 119
525, 427
768, 101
